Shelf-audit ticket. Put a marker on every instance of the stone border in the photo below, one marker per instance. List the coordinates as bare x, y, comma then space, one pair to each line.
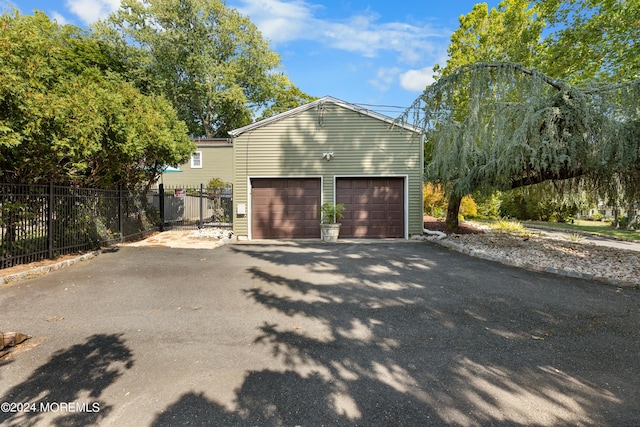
45, 269
449, 244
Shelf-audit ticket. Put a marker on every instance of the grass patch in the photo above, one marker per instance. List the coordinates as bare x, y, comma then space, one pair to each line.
508, 226
576, 237
593, 227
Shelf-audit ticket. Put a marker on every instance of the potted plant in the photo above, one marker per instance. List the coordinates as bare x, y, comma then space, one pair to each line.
329, 215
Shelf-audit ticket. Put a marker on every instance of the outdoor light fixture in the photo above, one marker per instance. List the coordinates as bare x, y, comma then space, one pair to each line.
327, 156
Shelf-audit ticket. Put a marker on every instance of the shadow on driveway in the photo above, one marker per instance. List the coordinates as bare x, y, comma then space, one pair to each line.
382, 335
305, 333
77, 375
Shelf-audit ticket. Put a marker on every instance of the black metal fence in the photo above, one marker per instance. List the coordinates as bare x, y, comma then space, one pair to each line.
45, 221
193, 206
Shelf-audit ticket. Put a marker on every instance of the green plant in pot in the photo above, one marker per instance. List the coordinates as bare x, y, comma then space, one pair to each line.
330, 214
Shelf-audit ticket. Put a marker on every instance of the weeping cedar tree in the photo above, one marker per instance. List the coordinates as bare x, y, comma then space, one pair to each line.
518, 127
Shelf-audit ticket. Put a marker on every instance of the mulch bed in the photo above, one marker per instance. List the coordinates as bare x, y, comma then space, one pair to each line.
437, 224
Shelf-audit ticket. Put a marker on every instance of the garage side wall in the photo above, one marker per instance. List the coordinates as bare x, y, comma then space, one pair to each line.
294, 147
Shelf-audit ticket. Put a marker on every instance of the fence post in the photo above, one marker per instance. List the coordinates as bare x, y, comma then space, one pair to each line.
120, 213
50, 230
201, 213
161, 205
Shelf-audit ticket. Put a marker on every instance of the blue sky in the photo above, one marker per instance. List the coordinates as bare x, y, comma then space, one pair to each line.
379, 53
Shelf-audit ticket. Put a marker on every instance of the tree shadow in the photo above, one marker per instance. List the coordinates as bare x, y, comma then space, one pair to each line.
416, 339
78, 374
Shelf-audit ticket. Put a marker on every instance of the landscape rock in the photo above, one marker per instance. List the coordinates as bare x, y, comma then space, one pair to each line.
585, 260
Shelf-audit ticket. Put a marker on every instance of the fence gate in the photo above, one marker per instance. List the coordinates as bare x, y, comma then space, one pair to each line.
193, 207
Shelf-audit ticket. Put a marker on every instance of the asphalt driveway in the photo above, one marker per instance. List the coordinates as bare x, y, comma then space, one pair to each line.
301, 333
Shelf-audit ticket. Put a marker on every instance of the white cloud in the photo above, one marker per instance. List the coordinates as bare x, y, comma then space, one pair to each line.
277, 20
417, 80
60, 19
89, 11
283, 21
384, 78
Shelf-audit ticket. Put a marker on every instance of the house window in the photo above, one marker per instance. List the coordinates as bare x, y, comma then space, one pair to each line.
196, 160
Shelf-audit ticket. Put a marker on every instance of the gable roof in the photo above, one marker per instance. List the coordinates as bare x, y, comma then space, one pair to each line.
317, 103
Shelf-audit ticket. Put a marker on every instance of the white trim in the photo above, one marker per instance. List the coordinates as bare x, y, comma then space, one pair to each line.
406, 192
193, 166
325, 100
249, 207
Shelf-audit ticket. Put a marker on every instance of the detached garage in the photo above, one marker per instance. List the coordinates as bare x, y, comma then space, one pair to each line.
288, 165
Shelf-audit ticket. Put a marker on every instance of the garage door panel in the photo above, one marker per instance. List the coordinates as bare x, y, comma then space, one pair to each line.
361, 215
345, 200
294, 202
374, 207
295, 216
310, 199
311, 184
285, 208
362, 199
311, 216
343, 183
379, 215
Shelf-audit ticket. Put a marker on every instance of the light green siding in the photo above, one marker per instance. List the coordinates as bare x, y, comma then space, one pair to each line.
362, 146
217, 162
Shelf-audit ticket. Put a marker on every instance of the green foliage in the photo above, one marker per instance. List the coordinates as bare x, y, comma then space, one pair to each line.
576, 238
539, 203
533, 127
591, 39
488, 205
285, 96
508, 33
217, 183
330, 213
66, 117
509, 226
597, 216
434, 198
468, 207
521, 128
211, 61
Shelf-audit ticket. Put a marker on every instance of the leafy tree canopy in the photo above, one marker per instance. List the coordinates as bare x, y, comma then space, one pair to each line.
208, 59
591, 39
65, 116
503, 125
509, 33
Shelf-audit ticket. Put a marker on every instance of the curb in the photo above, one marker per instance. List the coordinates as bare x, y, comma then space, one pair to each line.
45, 269
531, 267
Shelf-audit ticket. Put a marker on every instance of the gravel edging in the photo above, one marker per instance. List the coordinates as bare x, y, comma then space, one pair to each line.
45, 269
481, 253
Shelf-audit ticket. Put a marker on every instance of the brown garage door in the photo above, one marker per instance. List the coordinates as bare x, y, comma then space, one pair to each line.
374, 207
285, 208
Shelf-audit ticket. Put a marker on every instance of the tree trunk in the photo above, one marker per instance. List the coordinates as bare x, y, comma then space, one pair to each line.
453, 208
631, 216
